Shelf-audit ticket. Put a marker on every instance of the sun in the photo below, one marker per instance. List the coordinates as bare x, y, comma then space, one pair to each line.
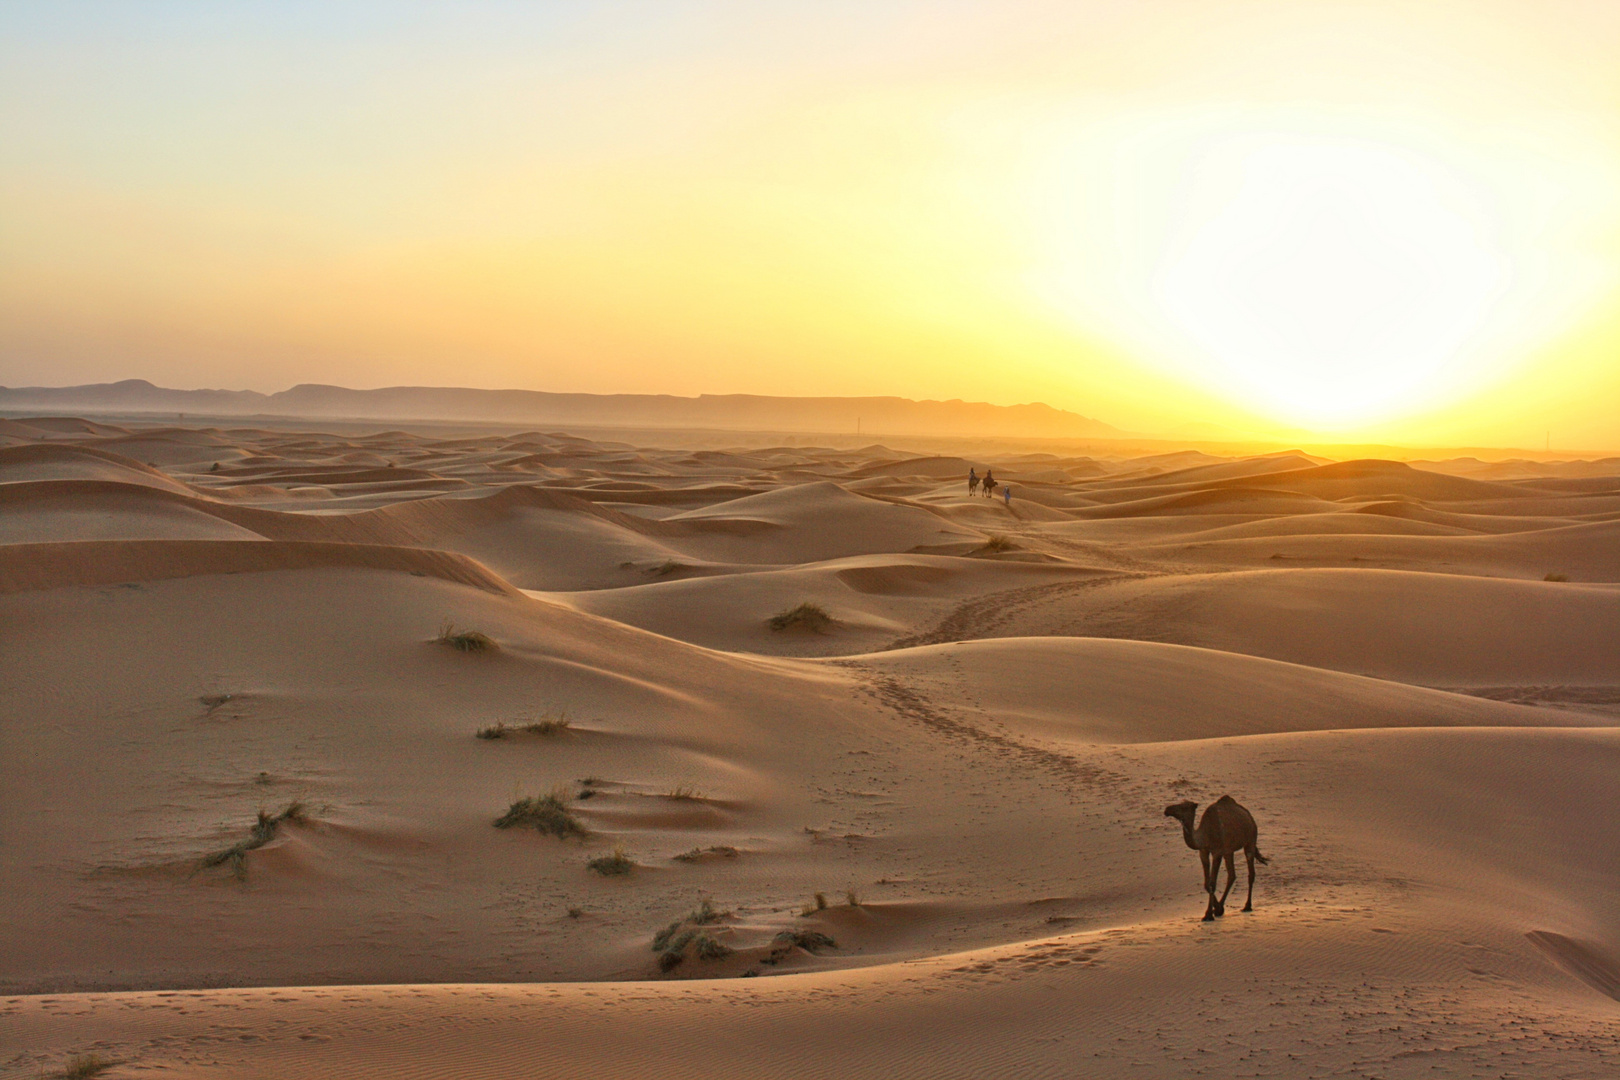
1300, 270
1332, 280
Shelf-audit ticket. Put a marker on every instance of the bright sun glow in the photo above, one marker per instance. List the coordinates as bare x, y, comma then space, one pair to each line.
1315, 271
1331, 279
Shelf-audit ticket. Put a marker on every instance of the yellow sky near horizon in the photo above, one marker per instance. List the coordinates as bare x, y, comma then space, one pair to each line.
1358, 221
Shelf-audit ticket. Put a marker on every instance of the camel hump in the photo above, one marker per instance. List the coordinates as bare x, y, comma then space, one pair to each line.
1226, 800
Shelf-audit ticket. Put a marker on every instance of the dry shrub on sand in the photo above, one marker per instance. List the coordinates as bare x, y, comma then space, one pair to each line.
613, 865
471, 641
85, 1066
548, 725
264, 830
1556, 577
687, 936
808, 940
547, 813
807, 616
995, 545
719, 851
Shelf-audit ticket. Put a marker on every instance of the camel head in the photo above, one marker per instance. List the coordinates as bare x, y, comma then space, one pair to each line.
1182, 811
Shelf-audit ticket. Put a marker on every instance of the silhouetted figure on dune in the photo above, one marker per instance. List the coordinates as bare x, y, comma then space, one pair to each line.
1226, 829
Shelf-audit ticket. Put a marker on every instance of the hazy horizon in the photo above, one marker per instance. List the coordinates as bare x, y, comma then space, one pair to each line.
1347, 222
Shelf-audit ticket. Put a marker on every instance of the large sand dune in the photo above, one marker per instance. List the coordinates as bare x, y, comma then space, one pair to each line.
968, 760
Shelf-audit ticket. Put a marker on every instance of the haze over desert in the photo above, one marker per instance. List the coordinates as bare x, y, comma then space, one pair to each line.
886, 541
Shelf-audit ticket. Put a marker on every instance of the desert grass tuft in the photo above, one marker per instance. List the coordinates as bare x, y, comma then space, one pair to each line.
85, 1066
808, 940
468, 641
995, 545
684, 793
614, 865
695, 854
263, 831
1556, 577
546, 813
549, 725
666, 568
708, 948
807, 615
671, 943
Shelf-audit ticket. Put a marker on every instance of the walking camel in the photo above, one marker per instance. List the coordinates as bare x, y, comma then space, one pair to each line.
1226, 829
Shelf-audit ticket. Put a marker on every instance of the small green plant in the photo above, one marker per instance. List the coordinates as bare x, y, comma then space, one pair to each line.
807, 615
1556, 577
613, 865
546, 813
263, 831
995, 545
469, 641
85, 1066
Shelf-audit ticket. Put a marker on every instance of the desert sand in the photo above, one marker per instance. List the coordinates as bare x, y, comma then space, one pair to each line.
1408, 672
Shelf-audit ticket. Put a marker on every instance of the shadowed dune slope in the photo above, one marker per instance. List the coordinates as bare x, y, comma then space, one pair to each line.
1588, 552
90, 563
1434, 629
1107, 691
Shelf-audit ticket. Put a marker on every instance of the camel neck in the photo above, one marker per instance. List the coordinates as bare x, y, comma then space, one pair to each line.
1188, 835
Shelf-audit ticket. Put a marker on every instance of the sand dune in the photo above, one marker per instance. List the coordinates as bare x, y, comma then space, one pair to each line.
969, 763
1429, 629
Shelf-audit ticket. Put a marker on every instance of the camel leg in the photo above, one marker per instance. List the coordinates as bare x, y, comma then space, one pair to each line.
1248, 905
1231, 877
1209, 886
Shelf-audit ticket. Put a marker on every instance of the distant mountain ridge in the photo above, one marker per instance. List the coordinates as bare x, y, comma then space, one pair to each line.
743, 412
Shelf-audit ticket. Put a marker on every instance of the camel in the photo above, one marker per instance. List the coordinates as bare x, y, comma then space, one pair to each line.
1226, 829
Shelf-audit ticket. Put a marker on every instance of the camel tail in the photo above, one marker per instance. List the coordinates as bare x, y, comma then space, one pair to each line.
1259, 858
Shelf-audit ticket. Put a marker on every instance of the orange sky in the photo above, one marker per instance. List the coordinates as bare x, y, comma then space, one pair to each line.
1371, 220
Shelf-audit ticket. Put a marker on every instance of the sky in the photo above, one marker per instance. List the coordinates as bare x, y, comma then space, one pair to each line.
1373, 221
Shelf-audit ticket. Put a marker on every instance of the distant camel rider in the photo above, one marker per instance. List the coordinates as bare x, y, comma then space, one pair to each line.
973, 481
989, 483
